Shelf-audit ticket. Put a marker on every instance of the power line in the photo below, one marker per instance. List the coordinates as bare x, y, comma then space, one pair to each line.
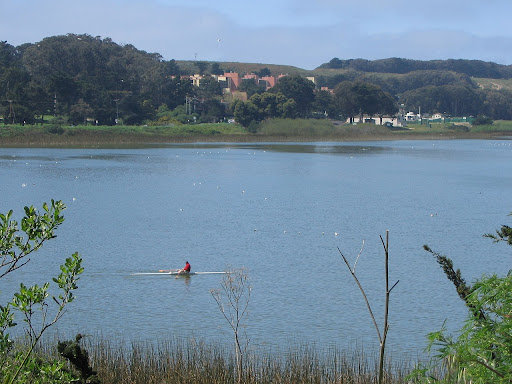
27, 101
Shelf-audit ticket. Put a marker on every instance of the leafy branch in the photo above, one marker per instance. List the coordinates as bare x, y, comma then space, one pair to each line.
15, 249
28, 298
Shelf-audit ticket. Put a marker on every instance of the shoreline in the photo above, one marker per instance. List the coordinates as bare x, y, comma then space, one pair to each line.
80, 140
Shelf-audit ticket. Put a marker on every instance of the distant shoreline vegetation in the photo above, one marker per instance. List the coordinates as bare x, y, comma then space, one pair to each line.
300, 130
81, 79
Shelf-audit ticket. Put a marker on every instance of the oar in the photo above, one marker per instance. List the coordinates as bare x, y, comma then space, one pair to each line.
179, 274
168, 270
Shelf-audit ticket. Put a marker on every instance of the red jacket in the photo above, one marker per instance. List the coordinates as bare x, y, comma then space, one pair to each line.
187, 267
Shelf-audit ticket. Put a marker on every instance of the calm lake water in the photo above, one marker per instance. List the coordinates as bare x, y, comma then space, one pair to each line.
274, 209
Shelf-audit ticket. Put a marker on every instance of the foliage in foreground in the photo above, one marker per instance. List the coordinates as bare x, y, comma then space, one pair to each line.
33, 302
482, 351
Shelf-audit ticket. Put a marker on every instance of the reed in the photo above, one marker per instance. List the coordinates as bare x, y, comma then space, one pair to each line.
274, 130
297, 128
190, 361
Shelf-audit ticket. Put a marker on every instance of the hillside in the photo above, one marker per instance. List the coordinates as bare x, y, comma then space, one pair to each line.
189, 67
494, 84
473, 68
82, 79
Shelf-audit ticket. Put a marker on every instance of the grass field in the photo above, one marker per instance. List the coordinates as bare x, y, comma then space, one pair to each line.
496, 84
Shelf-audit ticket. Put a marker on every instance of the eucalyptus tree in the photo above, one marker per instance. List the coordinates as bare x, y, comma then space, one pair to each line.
455, 100
359, 98
346, 100
324, 103
299, 89
497, 104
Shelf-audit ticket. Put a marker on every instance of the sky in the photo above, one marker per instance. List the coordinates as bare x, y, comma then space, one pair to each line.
302, 33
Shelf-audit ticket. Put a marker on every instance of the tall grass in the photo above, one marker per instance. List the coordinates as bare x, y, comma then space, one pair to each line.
189, 361
504, 126
55, 135
297, 128
270, 130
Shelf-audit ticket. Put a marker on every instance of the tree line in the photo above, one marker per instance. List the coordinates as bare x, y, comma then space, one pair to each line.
474, 68
84, 79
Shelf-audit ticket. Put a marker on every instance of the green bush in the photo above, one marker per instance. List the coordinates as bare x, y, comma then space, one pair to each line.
482, 350
33, 301
482, 120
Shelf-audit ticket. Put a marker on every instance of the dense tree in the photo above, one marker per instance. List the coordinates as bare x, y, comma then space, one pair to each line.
263, 72
498, 104
346, 100
201, 66
475, 68
482, 120
9, 56
359, 98
216, 69
299, 89
263, 106
18, 96
176, 91
400, 83
74, 67
251, 88
212, 111
332, 80
80, 111
324, 104
368, 98
208, 88
387, 105
245, 112
53, 75
454, 100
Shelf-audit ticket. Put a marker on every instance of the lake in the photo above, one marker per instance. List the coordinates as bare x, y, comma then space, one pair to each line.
281, 210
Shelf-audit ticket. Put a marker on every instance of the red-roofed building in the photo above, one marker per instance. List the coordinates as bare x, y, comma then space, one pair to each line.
235, 79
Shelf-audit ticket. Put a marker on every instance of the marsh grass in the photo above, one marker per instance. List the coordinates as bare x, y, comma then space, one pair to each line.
190, 361
503, 126
297, 127
274, 130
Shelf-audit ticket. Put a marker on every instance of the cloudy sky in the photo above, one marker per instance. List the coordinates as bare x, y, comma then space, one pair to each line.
304, 33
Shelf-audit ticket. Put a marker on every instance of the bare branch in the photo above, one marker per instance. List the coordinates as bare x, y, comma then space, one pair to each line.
359, 255
364, 295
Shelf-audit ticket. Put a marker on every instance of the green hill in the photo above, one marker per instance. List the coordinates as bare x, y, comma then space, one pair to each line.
474, 68
189, 67
85, 79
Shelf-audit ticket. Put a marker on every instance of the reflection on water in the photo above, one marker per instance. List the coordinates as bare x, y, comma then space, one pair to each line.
327, 148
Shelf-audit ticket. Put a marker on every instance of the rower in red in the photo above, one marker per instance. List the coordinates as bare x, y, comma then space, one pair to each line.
185, 269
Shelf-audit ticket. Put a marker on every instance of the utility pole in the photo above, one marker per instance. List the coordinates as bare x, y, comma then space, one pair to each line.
117, 111
11, 111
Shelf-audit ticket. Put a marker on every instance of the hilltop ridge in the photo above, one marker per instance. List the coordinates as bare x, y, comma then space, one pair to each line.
88, 79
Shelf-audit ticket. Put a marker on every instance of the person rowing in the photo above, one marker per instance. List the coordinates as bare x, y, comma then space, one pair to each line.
185, 269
